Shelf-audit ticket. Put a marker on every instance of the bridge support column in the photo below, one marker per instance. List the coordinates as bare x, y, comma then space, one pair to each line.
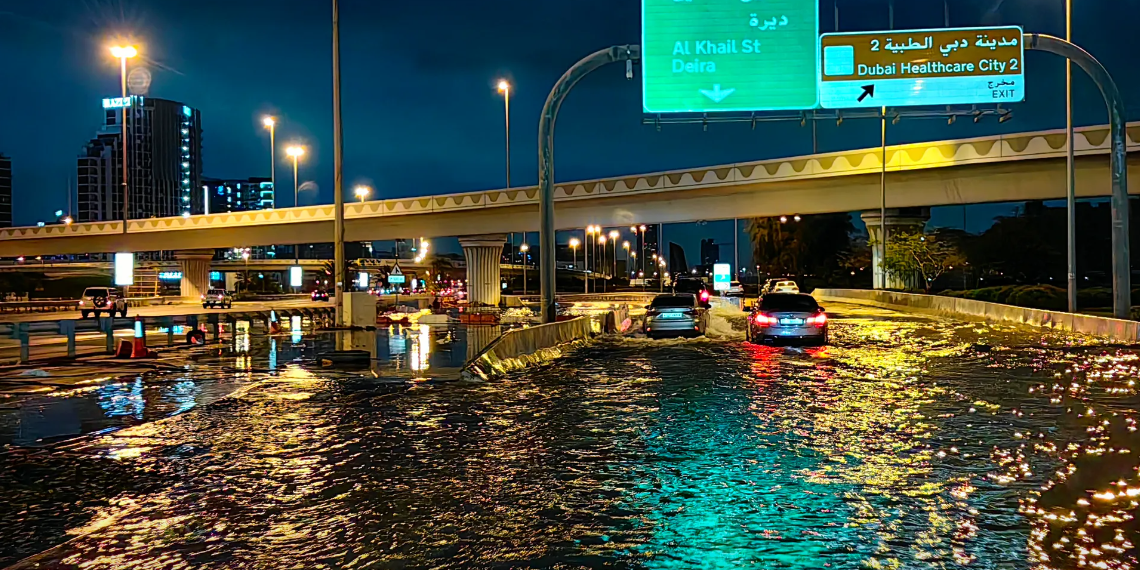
898, 219
195, 272
484, 255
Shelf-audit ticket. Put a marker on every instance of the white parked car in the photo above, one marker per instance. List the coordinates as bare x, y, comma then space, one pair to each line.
95, 300
785, 287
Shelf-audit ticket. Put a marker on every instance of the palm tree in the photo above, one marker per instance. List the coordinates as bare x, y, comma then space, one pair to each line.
350, 266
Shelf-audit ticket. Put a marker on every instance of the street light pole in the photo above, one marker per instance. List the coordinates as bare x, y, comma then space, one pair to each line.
1071, 178
505, 89
524, 248
627, 53
124, 53
338, 170
295, 153
601, 240
574, 247
271, 124
1118, 162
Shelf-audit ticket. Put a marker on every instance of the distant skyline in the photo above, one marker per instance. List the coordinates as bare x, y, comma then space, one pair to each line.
422, 115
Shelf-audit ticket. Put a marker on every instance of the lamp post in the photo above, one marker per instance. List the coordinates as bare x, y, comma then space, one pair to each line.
295, 152
574, 243
643, 246
505, 89
625, 246
602, 241
614, 235
661, 264
524, 248
271, 124
245, 256
123, 53
586, 254
362, 192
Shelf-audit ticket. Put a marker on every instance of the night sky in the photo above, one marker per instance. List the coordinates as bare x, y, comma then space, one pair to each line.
421, 112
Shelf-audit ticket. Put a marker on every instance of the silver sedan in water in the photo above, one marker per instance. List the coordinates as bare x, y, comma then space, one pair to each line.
676, 315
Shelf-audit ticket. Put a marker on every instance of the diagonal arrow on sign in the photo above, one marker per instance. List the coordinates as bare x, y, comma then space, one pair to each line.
716, 93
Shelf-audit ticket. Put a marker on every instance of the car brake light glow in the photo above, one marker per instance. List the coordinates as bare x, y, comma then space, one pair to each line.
819, 320
704, 295
762, 319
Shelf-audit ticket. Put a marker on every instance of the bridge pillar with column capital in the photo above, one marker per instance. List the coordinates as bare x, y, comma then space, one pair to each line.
195, 265
898, 219
484, 255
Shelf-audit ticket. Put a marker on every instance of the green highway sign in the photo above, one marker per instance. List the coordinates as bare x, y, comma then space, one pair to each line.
729, 55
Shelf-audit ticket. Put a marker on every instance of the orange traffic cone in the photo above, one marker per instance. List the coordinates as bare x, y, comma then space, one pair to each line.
139, 349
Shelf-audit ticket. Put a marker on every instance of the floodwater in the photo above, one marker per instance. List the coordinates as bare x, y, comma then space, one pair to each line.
909, 443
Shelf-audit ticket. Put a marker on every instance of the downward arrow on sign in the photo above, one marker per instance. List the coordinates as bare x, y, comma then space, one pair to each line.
716, 93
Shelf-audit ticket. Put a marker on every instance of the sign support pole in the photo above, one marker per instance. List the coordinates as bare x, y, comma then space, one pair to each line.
1121, 268
883, 208
1070, 166
628, 53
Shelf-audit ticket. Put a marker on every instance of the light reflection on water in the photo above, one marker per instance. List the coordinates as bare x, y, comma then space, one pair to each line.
909, 443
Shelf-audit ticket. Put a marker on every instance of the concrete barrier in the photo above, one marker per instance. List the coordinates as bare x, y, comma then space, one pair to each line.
1116, 329
518, 348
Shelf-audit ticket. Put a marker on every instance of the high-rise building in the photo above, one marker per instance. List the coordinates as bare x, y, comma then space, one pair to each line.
5, 192
164, 161
710, 252
224, 196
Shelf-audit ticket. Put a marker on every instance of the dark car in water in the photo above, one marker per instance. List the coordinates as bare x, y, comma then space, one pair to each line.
694, 287
788, 317
675, 315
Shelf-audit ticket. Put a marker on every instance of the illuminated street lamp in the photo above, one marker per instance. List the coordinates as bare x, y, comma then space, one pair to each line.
614, 235
123, 53
524, 248
625, 246
271, 124
295, 152
602, 242
67, 221
505, 89
362, 192
586, 255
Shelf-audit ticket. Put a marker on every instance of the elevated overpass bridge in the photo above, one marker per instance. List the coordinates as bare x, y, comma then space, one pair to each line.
1016, 167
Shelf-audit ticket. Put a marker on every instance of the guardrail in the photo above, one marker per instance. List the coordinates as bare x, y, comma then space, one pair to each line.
25, 332
57, 305
1116, 329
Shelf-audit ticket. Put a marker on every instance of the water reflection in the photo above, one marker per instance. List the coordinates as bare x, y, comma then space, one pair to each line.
122, 399
908, 444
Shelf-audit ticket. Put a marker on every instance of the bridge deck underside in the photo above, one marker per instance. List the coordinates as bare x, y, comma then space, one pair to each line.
967, 184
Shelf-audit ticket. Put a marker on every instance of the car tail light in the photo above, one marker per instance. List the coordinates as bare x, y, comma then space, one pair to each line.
704, 295
219, 296
80, 303
762, 319
819, 320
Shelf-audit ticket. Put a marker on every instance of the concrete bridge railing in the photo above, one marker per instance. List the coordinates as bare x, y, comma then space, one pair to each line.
1115, 329
518, 348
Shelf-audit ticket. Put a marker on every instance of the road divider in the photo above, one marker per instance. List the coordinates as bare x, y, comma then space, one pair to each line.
520, 348
1115, 329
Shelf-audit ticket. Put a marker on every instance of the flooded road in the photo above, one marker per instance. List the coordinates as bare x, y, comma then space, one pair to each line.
909, 443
